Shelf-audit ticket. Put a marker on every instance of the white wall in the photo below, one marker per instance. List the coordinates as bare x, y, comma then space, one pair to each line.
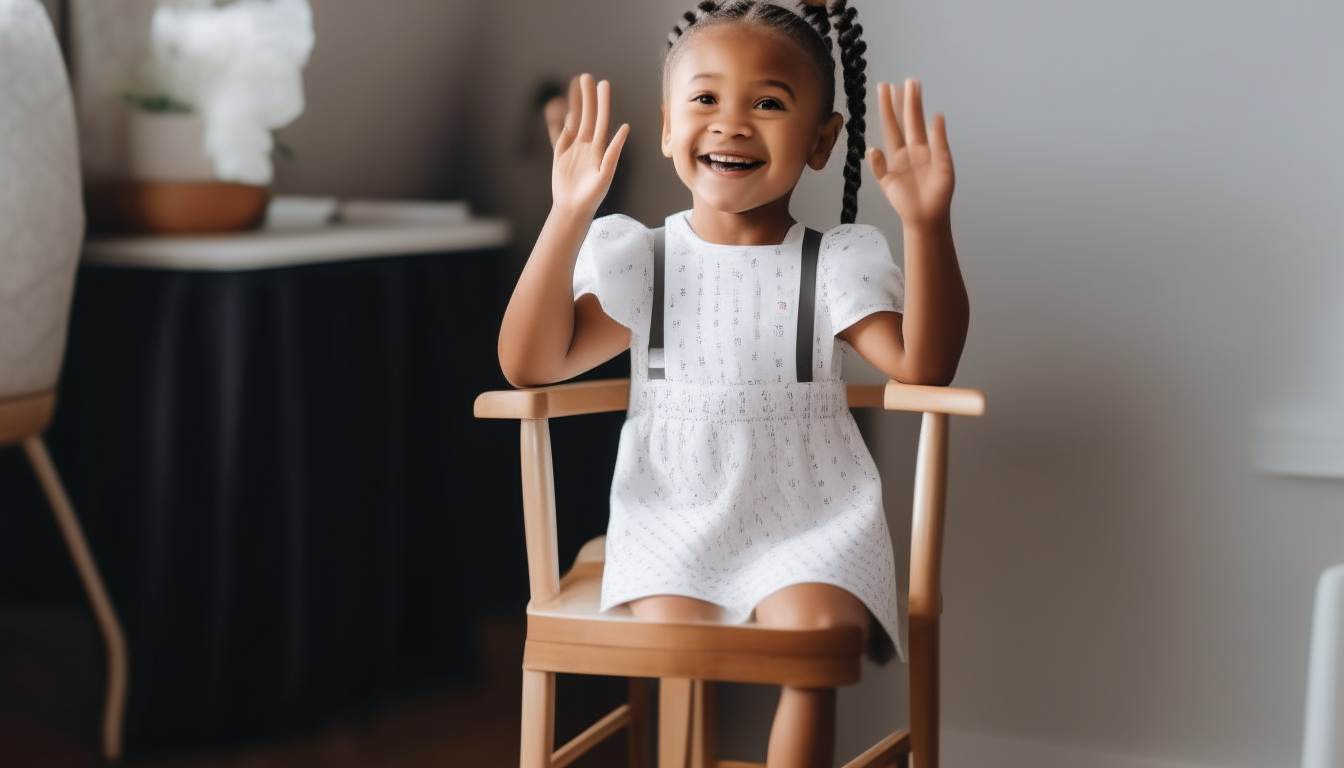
1146, 212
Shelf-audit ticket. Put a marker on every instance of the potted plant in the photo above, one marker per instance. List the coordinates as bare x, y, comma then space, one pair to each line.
217, 80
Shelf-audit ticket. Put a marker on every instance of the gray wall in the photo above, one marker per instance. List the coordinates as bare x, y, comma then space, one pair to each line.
1146, 212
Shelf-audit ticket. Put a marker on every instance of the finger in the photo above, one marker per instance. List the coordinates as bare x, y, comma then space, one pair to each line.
914, 113
574, 102
878, 162
603, 112
613, 153
589, 108
939, 133
555, 112
891, 130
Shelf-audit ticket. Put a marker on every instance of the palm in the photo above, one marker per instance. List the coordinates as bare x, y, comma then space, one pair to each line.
915, 170
584, 161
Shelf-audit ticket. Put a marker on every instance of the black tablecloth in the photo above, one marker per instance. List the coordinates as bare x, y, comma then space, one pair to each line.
282, 480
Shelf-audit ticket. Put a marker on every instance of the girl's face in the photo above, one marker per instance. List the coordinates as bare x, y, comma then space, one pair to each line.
742, 115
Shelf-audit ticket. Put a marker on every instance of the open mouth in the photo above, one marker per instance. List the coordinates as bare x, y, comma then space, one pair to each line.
729, 163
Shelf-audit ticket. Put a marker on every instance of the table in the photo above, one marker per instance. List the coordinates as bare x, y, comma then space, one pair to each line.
269, 438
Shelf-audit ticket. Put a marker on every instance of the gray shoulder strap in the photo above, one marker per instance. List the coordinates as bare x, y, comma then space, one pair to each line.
657, 359
807, 303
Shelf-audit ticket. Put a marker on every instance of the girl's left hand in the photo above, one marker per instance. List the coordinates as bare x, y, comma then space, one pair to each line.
915, 171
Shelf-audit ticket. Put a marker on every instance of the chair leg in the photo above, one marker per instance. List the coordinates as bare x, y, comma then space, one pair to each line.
674, 722
114, 640
637, 732
538, 731
704, 726
924, 695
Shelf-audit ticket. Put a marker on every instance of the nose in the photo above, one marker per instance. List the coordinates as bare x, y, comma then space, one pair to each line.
732, 123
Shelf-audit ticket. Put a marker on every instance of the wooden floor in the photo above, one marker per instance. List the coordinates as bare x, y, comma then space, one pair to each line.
50, 689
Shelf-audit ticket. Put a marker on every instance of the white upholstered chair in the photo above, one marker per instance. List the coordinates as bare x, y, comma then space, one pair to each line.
41, 228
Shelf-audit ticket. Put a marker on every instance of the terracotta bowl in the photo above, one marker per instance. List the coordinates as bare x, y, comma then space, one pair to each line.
176, 207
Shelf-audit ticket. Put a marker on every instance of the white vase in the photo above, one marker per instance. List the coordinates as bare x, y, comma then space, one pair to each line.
167, 146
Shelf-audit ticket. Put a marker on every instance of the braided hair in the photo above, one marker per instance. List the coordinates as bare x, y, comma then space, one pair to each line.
810, 28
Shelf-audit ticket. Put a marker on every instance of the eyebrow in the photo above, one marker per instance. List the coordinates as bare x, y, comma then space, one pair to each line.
775, 83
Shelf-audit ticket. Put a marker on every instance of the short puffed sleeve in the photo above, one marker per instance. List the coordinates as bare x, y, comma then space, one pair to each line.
858, 275
615, 264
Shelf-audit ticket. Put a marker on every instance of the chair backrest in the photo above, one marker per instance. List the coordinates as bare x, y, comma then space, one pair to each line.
41, 206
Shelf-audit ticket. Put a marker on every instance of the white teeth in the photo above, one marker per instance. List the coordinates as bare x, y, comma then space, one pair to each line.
728, 158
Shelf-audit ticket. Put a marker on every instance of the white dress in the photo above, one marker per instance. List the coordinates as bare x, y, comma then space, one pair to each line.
733, 480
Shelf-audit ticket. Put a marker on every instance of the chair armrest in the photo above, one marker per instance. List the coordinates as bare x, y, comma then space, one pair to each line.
918, 398
598, 396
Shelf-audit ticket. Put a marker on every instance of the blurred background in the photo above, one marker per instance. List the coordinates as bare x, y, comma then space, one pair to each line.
1147, 218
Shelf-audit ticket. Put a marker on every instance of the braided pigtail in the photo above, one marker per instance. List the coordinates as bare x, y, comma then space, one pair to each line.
854, 71
704, 8
816, 16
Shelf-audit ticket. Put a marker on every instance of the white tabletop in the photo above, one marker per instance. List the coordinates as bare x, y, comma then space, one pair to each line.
292, 246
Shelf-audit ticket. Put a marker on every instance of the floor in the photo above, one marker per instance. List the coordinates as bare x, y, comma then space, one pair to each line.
50, 689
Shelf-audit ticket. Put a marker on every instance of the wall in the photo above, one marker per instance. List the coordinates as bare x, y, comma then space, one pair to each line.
1146, 213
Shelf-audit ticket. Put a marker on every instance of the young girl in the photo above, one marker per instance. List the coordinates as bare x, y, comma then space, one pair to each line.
742, 484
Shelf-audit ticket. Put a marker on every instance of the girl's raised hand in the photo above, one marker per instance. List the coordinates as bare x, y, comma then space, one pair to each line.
584, 161
915, 171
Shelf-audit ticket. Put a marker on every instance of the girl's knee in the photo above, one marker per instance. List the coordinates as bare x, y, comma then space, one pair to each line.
674, 609
812, 606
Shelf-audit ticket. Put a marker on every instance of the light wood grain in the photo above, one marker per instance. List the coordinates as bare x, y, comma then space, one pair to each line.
22, 417
538, 727
595, 734
927, 521
884, 752
704, 725
543, 558
638, 734
924, 399
556, 400
675, 708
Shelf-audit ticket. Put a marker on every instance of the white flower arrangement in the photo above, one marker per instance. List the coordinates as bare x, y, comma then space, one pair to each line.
239, 66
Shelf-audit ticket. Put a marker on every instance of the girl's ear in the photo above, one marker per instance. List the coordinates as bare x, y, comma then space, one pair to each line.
827, 135
667, 131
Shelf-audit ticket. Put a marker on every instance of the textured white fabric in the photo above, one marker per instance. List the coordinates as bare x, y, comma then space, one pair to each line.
733, 480
41, 213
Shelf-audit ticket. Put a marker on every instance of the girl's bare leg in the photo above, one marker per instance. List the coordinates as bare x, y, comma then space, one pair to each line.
674, 608
803, 734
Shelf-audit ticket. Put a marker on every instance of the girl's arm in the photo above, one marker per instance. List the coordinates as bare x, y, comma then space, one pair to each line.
924, 345
546, 335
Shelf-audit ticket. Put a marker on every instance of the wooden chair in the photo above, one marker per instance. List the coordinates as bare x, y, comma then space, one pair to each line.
567, 634
41, 229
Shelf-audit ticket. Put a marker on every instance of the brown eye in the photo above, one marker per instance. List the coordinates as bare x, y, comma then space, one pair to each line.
770, 104
703, 98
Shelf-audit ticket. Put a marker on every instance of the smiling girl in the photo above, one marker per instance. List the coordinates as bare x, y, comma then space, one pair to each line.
743, 488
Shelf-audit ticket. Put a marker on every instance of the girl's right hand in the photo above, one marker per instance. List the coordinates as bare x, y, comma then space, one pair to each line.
584, 161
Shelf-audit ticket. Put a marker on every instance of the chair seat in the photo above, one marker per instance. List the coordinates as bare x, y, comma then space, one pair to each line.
563, 634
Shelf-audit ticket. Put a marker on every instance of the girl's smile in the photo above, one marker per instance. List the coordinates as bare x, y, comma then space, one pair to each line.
742, 117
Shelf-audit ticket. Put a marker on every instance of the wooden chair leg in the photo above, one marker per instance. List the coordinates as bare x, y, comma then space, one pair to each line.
638, 731
924, 695
704, 726
674, 722
538, 731
118, 673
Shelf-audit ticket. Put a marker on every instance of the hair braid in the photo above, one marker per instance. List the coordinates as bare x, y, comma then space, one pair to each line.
704, 7
853, 68
816, 16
